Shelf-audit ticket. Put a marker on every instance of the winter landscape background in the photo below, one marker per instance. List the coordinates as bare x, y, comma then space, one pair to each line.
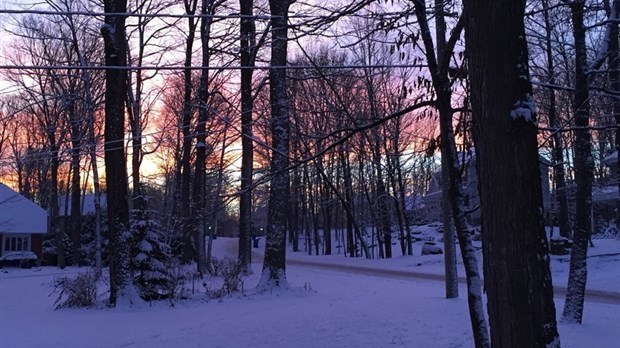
367, 133
332, 301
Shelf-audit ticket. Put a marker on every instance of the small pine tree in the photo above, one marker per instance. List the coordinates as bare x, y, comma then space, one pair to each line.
150, 254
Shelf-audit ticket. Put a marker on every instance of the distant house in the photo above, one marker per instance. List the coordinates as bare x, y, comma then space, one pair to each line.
22, 223
604, 196
431, 209
87, 204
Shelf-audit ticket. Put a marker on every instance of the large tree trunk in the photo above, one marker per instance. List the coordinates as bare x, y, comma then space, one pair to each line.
578, 274
248, 49
116, 172
274, 266
516, 262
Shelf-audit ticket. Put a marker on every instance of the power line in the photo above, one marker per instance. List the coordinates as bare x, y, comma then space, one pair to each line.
194, 67
382, 15
141, 15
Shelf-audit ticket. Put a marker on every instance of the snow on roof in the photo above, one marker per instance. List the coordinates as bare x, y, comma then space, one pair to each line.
20, 215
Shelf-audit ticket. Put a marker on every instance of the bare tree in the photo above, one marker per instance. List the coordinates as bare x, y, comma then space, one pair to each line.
575, 295
113, 32
274, 267
185, 165
248, 51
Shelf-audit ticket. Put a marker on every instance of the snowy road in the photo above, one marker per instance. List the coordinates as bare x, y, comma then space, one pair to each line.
596, 296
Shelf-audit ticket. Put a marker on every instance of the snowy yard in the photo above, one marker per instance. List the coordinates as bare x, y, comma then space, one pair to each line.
324, 308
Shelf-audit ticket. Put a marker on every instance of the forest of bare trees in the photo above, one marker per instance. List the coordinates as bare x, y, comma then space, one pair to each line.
318, 128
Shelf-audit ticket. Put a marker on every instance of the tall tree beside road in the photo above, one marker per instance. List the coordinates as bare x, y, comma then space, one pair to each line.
248, 56
516, 262
274, 266
113, 32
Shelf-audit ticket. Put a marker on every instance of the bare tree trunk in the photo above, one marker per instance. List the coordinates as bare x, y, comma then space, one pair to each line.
92, 146
312, 210
516, 261
401, 189
134, 110
438, 67
97, 193
452, 287
186, 175
113, 33
392, 163
199, 193
53, 205
216, 196
76, 213
326, 207
274, 267
248, 52
578, 274
296, 201
385, 227
347, 202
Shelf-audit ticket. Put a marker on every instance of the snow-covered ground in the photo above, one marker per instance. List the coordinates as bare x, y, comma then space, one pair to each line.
323, 308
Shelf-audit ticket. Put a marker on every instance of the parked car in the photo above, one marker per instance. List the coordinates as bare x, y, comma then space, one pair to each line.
22, 259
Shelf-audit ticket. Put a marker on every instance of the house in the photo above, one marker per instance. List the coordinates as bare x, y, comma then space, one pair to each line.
604, 197
431, 208
87, 204
22, 223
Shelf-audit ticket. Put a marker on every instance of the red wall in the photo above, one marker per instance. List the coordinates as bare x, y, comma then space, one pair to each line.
37, 244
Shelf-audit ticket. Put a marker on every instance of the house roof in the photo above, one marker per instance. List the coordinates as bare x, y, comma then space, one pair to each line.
19, 214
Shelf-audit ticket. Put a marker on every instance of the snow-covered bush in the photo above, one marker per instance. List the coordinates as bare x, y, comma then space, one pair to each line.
80, 291
181, 284
150, 258
231, 273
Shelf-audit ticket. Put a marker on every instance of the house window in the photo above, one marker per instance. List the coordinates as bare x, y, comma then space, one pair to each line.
16, 243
